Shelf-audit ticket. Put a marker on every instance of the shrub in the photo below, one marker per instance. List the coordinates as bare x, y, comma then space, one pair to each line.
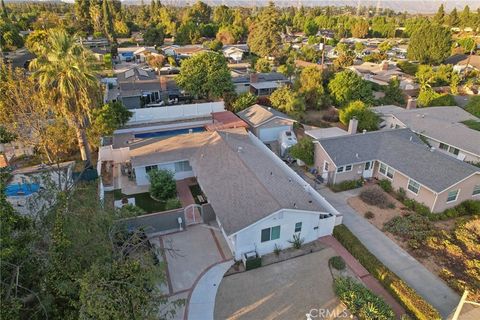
401, 194
277, 249
172, 203
411, 301
296, 241
386, 185
411, 227
346, 185
466, 208
303, 150
369, 215
337, 262
375, 196
162, 184
416, 206
360, 301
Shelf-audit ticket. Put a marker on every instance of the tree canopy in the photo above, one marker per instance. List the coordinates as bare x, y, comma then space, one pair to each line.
430, 44
264, 34
205, 75
347, 86
367, 119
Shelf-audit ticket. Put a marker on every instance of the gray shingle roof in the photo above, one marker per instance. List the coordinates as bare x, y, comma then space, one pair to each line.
403, 151
439, 123
258, 114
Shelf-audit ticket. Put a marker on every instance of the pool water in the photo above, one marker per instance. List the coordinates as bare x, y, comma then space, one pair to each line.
168, 133
21, 189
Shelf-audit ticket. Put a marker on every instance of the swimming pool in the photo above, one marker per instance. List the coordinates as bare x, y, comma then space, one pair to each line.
168, 133
21, 189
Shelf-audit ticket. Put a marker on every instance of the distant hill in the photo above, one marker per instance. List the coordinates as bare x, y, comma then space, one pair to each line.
412, 6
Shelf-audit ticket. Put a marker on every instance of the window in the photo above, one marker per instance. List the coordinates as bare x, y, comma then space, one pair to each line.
476, 190
298, 227
453, 150
367, 165
150, 168
348, 168
443, 146
270, 234
325, 166
182, 166
340, 169
452, 196
386, 171
413, 186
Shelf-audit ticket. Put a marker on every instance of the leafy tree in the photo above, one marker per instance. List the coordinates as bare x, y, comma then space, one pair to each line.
367, 119
198, 13
223, 15
154, 36
65, 69
303, 150
413, 24
263, 65
385, 46
466, 18
393, 93
429, 98
360, 28
347, 86
288, 101
121, 28
430, 44
310, 86
383, 27
473, 106
469, 45
107, 119
244, 101
264, 36
287, 69
6, 136
229, 34
188, 33
205, 74
453, 19
36, 40
155, 61
408, 67
310, 28
214, 45
162, 184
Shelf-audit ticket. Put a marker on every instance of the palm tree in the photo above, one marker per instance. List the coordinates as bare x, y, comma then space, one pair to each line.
64, 69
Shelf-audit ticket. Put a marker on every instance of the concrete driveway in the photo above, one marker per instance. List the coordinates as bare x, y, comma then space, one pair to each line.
285, 290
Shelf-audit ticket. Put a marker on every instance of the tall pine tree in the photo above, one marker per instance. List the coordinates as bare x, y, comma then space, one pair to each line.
108, 21
440, 15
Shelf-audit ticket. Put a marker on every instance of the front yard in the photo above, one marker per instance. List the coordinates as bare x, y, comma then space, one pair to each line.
449, 247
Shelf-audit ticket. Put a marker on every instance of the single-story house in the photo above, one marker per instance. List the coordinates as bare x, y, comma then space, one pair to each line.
263, 83
461, 62
382, 73
136, 54
235, 52
427, 175
441, 126
138, 88
259, 202
266, 122
182, 51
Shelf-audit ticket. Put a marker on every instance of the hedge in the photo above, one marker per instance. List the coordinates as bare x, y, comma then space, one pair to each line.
346, 185
466, 208
415, 305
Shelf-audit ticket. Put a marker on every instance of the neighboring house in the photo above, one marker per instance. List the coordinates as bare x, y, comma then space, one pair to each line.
258, 201
182, 51
142, 53
427, 175
19, 58
441, 126
266, 122
138, 88
260, 84
235, 52
134, 54
461, 62
382, 73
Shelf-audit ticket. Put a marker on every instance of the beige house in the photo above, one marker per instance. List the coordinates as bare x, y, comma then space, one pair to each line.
427, 175
442, 127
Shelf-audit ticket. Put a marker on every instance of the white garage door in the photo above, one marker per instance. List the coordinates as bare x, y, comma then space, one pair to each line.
271, 134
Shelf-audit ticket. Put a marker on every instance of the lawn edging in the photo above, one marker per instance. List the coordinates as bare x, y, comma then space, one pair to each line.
415, 305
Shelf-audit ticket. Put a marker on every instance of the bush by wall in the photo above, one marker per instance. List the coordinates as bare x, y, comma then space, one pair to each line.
375, 196
360, 301
415, 305
346, 185
337, 262
466, 208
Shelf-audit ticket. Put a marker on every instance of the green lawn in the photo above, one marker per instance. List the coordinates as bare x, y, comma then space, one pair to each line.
145, 202
472, 124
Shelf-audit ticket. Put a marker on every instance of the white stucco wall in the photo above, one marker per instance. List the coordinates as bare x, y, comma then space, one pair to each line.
249, 239
141, 175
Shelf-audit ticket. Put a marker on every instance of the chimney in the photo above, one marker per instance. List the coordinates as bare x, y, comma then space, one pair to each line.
253, 77
384, 65
411, 103
352, 126
163, 84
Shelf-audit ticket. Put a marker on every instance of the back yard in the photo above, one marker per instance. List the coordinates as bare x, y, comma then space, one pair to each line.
447, 244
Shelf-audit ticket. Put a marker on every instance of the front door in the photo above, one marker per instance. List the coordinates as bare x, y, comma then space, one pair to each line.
368, 169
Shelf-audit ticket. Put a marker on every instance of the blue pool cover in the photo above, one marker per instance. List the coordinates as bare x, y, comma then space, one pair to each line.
21, 189
168, 133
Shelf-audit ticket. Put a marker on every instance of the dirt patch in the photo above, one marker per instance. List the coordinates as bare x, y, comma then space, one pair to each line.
380, 215
447, 225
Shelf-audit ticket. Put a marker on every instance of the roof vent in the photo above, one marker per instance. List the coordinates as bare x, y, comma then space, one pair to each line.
269, 108
289, 179
240, 149
356, 155
411, 138
364, 131
294, 204
432, 149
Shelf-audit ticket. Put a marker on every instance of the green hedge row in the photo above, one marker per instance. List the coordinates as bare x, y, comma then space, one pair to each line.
415, 305
466, 208
346, 185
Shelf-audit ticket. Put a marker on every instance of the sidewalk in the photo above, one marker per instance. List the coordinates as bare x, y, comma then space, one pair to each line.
427, 284
369, 281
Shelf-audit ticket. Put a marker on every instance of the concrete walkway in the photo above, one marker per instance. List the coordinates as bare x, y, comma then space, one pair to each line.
427, 284
201, 303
